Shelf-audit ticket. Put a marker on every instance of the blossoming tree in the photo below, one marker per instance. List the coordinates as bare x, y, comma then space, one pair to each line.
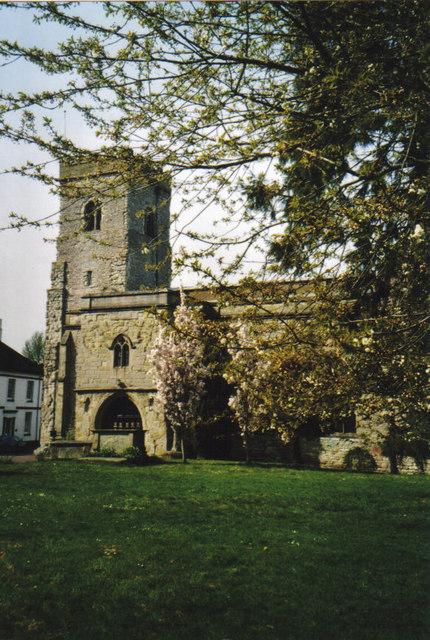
280, 386
178, 361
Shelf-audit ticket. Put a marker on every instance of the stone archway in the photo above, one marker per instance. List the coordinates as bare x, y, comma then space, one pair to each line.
118, 423
118, 412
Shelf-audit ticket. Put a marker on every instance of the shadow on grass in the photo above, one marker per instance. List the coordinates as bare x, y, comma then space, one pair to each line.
9, 469
245, 465
149, 461
260, 464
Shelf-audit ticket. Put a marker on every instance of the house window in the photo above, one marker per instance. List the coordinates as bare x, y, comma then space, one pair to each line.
88, 278
30, 390
121, 352
11, 389
27, 423
8, 426
92, 216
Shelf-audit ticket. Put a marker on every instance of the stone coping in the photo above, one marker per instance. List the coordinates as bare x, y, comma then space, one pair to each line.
129, 300
101, 459
135, 292
69, 443
118, 430
116, 389
352, 435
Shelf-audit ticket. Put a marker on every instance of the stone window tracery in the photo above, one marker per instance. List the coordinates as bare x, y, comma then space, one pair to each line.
92, 216
121, 352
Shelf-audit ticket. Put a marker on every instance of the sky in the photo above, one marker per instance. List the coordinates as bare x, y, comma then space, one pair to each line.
26, 255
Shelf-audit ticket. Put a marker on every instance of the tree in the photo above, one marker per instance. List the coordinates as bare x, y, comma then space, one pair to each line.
34, 347
217, 86
180, 373
241, 372
317, 111
281, 386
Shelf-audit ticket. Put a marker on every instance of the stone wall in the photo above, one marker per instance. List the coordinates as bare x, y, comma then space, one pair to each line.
102, 252
148, 258
55, 311
331, 452
62, 450
97, 379
119, 255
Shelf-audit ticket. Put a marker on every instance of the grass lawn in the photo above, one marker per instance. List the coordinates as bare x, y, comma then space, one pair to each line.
211, 550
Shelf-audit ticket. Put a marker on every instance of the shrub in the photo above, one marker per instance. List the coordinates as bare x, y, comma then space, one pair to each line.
359, 459
106, 452
134, 455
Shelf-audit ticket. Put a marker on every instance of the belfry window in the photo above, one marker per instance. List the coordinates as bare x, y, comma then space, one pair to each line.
92, 216
150, 224
121, 352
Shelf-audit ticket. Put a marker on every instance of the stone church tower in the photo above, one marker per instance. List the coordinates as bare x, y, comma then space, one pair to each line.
111, 275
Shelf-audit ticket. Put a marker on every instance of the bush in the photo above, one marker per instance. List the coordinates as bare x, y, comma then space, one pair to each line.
134, 455
359, 459
105, 452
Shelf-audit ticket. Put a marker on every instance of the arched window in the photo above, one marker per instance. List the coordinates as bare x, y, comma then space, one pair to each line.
92, 216
121, 352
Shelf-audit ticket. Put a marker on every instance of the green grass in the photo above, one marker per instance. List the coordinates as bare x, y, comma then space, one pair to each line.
210, 551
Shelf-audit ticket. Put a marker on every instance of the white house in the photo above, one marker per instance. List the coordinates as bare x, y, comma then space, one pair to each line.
20, 395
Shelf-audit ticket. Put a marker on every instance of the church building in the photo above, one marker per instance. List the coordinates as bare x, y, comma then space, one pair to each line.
109, 283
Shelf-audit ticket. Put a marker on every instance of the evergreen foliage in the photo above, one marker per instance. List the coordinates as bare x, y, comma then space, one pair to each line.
34, 347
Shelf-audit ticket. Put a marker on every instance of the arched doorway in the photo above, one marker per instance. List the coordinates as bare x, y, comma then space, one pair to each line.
118, 423
118, 413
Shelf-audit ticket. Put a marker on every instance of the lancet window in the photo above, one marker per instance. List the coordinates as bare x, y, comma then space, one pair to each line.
121, 352
92, 216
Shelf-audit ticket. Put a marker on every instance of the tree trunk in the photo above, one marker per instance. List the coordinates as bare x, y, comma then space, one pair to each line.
246, 445
392, 452
184, 457
394, 467
174, 441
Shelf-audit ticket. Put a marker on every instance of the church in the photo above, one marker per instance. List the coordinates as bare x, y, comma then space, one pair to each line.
109, 283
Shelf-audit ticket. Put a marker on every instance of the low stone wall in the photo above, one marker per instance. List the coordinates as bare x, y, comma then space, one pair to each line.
63, 450
331, 452
409, 466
